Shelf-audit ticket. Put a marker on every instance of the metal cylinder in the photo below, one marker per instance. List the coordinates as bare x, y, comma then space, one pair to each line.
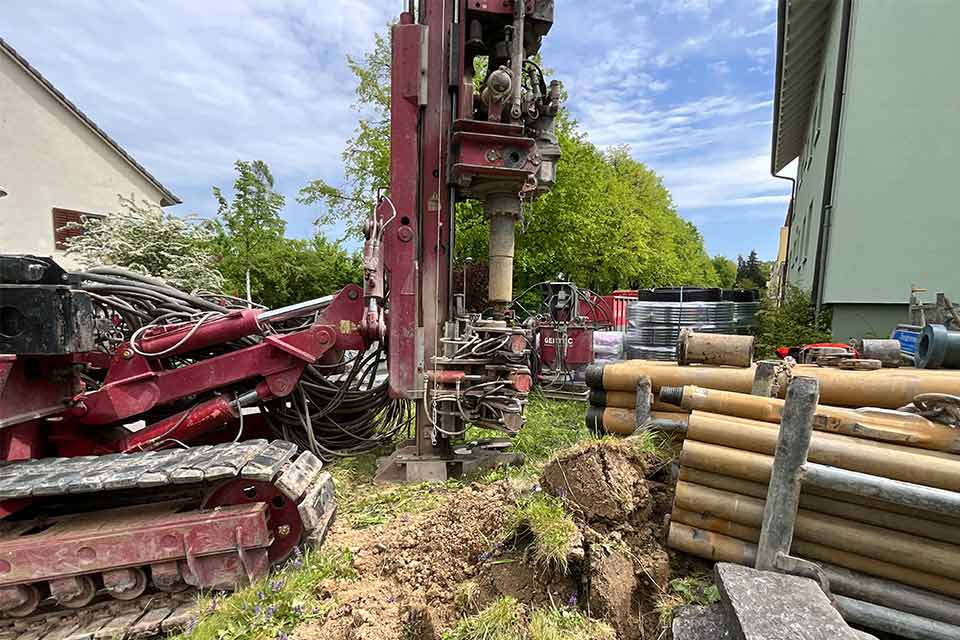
621, 421
909, 552
722, 547
919, 466
714, 349
915, 523
938, 348
502, 211
756, 467
889, 620
873, 424
886, 351
886, 388
627, 400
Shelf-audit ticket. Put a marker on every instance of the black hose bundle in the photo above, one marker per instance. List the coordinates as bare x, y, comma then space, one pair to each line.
329, 415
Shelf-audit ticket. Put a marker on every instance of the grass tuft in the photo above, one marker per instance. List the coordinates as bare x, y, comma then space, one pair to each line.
275, 604
503, 620
551, 527
567, 624
507, 619
466, 596
694, 589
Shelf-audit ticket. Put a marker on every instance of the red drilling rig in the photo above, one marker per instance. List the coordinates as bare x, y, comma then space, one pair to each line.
155, 440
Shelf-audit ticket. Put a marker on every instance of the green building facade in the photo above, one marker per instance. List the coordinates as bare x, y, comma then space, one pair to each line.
868, 103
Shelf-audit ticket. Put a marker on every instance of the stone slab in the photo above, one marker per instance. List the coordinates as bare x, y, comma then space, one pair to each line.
762, 605
694, 622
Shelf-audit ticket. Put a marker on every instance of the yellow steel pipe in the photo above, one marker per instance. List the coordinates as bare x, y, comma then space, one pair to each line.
624, 421
919, 466
884, 388
894, 547
627, 400
919, 526
874, 424
755, 467
697, 539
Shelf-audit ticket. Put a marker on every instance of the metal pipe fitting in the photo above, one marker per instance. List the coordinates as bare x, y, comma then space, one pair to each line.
714, 349
938, 348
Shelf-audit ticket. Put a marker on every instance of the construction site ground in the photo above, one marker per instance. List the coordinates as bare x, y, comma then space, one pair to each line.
570, 545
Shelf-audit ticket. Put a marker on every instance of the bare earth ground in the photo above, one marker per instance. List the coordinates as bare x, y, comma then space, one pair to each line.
412, 571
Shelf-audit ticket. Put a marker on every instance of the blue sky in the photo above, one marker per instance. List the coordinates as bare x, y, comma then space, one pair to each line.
189, 86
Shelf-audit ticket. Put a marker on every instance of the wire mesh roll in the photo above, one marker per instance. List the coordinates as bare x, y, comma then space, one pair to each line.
641, 313
745, 314
654, 322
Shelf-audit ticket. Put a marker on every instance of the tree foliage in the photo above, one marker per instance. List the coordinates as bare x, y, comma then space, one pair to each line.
249, 235
726, 270
752, 273
792, 323
142, 237
609, 222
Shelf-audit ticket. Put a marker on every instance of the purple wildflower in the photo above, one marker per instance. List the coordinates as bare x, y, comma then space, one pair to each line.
256, 610
271, 610
191, 624
572, 602
281, 636
276, 585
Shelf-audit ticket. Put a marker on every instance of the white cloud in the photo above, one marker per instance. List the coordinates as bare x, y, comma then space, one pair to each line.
720, 66
189, 87
725, 181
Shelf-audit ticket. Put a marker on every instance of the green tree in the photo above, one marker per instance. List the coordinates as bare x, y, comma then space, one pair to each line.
249, 227
726, 270
792, 323
750, 272
142, 237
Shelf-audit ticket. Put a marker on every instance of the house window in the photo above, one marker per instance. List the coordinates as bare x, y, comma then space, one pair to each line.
61, 218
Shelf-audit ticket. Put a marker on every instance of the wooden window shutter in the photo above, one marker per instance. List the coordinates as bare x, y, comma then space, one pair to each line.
60, 219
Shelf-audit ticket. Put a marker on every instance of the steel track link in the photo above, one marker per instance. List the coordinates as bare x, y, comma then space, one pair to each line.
148, 616
298, 478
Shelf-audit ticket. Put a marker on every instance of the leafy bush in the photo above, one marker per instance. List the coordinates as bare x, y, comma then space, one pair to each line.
793, 323
144, 238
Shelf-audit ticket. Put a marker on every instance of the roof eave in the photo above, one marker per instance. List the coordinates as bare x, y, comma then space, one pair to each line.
781, 31
167, 197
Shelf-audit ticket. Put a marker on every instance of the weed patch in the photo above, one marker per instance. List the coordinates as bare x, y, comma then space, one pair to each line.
553, 530
508, 619
274, 605
695, 589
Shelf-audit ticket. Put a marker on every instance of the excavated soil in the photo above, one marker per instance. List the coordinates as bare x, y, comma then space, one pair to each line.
410, 570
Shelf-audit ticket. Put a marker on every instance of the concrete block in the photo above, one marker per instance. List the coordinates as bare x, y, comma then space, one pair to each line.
694, 622
762, 605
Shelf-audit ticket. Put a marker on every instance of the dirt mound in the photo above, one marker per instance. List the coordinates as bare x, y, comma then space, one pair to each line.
417, 574
620, 514
602, 481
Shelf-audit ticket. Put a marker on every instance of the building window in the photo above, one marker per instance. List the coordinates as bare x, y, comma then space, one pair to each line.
63, 217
